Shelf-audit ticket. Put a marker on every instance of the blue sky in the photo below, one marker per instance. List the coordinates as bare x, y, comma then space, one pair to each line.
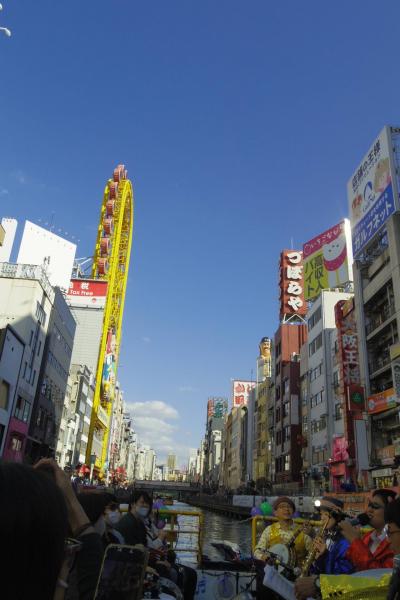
240, 124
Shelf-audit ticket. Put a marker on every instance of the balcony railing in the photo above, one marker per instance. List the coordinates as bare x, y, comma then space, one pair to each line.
378, 320
380, 362
11, 271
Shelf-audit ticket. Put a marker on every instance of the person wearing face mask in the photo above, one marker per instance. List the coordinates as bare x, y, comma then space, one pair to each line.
132, 525
371, 551
112, 517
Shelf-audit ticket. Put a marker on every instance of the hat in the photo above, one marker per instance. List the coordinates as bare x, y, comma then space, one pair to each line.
335, 503
283, 499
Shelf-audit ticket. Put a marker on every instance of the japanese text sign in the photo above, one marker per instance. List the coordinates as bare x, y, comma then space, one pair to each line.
217, 408
382, 401
327, 260
292, 284
370, 192
241, 392
87, 291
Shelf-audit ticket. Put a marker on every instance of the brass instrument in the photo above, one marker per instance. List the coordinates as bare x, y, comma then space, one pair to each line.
310, 558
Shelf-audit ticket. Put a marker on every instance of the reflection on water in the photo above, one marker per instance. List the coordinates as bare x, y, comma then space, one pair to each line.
216, 527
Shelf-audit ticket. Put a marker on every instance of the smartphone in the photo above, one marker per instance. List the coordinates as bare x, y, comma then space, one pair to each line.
122, 573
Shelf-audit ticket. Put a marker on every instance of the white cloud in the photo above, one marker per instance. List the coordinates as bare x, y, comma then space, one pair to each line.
146, 339
19, 176
152, 423
153, 408
4, 192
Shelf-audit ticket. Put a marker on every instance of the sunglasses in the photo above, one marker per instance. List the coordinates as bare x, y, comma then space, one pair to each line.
375, 505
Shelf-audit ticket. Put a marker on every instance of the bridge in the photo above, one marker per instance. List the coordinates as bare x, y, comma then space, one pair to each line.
169, 487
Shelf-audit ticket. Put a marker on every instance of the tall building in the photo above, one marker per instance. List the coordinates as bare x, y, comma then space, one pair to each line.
322, 413
52, 386
26, 300
217, 409
289, 338
373, 193
171, 462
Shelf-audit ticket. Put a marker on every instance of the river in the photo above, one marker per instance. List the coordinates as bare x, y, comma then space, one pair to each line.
219, 527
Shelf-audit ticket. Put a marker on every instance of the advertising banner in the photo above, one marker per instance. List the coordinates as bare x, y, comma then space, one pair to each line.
291, 283
84, 292
370, 192
382, 401
241, 391
217, 408
327, 260
395, 358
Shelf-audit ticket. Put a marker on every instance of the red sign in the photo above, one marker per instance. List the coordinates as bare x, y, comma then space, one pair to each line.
87, 291
291, 283
241, 392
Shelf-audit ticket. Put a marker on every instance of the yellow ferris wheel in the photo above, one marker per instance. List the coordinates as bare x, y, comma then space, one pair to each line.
110, 264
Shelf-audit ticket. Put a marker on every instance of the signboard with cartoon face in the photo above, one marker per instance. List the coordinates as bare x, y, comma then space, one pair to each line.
327, 260
372, 192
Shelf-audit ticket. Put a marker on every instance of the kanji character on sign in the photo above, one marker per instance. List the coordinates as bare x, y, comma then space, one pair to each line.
295, 302
350, 341
294, 288
294, 272
351, 357
294, 257
84, 286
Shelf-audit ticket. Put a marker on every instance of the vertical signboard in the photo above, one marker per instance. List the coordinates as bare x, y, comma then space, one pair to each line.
291, 284
372, 191
327, 260
352, 392
241, 391
216, 408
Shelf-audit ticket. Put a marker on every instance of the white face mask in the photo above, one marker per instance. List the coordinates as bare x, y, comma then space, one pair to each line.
142, 511
113, 517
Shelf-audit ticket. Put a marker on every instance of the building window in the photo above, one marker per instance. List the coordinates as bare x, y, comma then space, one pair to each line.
336, 379
314, 373
2, 430
4, 394
40, 418
22, 410
316, 399
286, 434
313, 320
39, 348
40, 314
33, 378
278, 414
315, 345
25, 367
30, 339
338, 412
286, 409
287, 462
286, 386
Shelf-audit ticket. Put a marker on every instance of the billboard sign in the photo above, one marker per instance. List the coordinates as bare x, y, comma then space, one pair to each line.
87, 292
241, 391
291, 283
327, 260
42, 247
217, 408
382, 401
371, 192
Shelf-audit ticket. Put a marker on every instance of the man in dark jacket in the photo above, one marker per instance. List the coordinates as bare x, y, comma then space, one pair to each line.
132, 526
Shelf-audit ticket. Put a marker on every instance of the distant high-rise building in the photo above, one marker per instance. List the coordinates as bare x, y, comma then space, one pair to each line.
171, 462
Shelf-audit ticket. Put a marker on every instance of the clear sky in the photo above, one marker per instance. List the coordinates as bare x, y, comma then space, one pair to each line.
239, 123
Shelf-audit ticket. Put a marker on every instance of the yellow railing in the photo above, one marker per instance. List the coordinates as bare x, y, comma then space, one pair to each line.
174, 530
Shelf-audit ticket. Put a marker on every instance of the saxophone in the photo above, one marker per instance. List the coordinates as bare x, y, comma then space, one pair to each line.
310, 558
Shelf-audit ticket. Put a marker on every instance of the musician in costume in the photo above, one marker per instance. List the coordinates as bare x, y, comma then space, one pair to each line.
281, 532
372, 550
331, 550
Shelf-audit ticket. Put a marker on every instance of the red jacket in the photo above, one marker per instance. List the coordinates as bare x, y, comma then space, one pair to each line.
362, 558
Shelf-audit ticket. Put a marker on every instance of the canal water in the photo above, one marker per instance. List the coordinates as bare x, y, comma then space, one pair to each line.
219, 527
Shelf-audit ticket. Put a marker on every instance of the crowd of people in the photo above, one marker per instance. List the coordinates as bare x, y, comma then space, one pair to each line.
57, 534
338, 547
